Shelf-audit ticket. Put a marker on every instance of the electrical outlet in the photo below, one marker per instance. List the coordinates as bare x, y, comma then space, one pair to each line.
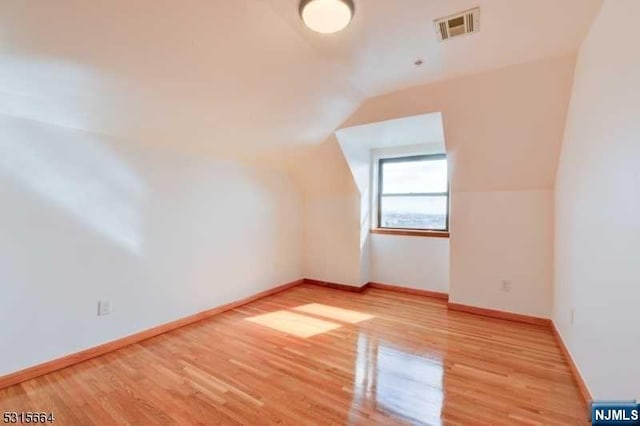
104, 307
506, 286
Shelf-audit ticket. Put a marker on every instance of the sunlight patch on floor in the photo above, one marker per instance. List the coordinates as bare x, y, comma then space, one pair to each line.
338, 314
295, 324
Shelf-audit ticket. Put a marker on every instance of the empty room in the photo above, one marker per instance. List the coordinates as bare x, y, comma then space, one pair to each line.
320, 212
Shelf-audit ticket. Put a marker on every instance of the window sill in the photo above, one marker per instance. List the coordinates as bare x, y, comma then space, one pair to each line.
411, 232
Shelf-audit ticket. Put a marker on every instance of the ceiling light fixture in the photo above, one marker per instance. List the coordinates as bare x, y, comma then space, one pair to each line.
326, 16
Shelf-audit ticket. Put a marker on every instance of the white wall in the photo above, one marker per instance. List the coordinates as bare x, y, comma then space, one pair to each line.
160, 234
501, 236
414, 262
331, 235
597, 239
358, 158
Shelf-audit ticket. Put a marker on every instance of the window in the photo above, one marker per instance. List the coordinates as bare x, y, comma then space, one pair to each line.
413, 193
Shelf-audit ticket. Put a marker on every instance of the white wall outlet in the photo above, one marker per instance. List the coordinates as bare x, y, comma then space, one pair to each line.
506, 286
104, 307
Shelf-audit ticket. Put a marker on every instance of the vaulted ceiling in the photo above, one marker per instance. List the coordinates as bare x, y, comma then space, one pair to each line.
231, 76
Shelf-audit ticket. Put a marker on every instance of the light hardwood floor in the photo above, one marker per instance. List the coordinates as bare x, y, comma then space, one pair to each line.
313, 355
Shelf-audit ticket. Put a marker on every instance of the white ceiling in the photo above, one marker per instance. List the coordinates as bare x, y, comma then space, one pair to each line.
378, 51
246, 74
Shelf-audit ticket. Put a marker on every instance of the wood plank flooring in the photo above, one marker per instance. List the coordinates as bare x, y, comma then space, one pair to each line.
313, 355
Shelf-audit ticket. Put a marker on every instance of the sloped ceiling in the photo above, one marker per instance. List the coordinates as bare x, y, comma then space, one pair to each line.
221, 75
246, 75
503, 128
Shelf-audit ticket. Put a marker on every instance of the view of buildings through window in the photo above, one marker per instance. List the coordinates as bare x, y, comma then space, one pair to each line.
413, 193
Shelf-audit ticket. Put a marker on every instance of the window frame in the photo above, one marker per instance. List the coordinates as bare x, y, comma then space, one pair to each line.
410, 158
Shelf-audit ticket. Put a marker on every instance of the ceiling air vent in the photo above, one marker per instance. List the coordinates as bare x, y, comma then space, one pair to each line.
459, 24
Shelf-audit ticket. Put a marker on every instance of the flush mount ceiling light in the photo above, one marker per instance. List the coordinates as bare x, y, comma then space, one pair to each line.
326, 16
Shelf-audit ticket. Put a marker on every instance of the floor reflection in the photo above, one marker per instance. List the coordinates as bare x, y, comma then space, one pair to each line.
402, 384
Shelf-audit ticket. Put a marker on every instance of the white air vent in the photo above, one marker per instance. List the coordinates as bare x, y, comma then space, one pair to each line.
459, 24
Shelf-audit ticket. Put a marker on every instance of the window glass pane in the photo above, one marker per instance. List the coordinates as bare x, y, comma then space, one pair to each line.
414, 176
414, 212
